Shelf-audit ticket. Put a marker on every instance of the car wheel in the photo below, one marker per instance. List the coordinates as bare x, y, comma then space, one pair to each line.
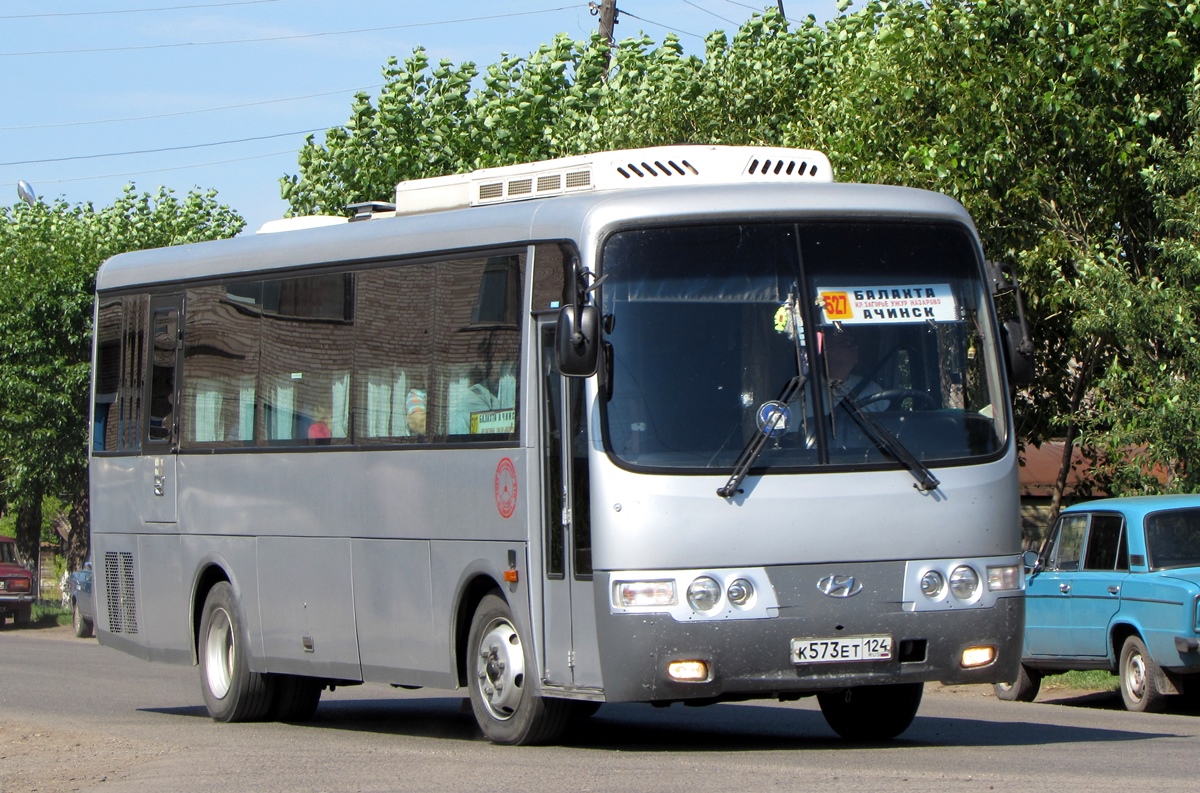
1023, 689
502, 697
1139, 679
231, 691
871, 713
82, 625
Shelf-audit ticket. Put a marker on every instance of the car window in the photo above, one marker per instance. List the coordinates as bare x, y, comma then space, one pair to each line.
1106, 549
1068, 542
1173, 538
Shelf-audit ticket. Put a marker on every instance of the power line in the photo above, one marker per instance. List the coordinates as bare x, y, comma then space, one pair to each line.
133, 10
163, 170
662, 25
713, 13
166, 148
187, 112
288, 38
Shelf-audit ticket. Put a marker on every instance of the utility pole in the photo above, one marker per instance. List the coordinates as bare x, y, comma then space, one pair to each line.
607, 9
781, 13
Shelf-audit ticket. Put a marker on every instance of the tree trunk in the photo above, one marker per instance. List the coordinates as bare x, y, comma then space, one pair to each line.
29, 530
1083, 380
79, 541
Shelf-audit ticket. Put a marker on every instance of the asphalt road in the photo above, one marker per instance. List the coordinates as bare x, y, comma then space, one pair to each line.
78, 716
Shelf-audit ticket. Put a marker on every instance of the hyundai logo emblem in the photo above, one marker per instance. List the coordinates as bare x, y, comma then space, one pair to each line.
839, 586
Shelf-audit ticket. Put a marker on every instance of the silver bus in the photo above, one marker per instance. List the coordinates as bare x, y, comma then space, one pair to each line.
685, 424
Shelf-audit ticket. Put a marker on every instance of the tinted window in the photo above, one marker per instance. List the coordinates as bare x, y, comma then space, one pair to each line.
1106, 549
1173, 538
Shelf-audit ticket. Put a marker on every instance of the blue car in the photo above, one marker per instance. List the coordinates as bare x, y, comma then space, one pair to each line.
1117, 586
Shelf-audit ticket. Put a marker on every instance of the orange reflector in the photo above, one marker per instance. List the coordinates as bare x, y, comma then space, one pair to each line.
978, 656
688, 671
510, 576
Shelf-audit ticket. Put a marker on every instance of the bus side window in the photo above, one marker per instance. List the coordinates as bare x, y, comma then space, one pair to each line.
221, 343
393, 354
108, 374
477, 344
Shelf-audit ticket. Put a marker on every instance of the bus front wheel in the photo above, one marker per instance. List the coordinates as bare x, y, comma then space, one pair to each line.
871, 713
502, 695
231, 691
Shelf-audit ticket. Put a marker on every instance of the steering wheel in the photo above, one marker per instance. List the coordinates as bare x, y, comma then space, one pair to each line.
921, 400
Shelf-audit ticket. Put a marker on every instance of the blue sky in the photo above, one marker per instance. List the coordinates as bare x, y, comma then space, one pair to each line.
221, 93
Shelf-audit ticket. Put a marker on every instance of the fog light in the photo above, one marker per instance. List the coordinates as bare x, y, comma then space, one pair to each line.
703, 594
964, 582
978, 656
932, 584
1002, 578
627, 594
740, 592
688, 671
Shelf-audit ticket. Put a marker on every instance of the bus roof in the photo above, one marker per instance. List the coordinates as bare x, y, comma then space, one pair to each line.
569, 216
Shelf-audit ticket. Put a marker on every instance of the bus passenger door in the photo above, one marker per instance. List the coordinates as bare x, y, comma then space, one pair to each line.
569, 648
162, 399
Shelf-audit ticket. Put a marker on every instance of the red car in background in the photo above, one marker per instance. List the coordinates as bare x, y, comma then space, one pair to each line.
17, 589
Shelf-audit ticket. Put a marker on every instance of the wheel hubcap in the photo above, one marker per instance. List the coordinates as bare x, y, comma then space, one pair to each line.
500, 669
1137, 676
219, 654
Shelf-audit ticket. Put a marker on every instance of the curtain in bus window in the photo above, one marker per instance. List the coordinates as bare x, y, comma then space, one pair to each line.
477, 345
393, 354
130, 397
220, 365
110, 315
308, 331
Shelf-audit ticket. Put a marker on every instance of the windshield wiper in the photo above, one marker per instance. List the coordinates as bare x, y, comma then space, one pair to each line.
889, 443
756, 443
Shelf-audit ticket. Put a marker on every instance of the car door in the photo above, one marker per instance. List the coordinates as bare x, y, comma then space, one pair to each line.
1096, 588
1048, 590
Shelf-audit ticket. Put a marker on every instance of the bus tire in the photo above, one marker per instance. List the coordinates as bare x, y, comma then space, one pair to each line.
295, 698
871, 713
502, 696
231, 691
1023, 689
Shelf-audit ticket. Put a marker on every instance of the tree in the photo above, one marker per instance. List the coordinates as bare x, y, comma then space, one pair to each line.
49, 255
1043, 117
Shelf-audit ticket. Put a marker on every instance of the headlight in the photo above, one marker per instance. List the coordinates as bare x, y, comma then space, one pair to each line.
1004, 578
740, 592
704, 594
964, 582
644, 593
932, 584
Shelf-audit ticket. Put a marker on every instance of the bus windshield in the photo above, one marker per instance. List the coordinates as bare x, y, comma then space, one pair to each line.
848, 344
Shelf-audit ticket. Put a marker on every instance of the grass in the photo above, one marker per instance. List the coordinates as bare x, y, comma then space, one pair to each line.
1091, 680
48, 612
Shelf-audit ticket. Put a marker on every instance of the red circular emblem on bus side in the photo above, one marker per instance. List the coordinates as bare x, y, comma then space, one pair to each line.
506, 488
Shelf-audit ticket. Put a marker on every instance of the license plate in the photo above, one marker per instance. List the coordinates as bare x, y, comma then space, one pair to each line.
847, 648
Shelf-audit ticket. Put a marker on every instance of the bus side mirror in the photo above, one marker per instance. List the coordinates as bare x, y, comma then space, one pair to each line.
577, 340
1017, 353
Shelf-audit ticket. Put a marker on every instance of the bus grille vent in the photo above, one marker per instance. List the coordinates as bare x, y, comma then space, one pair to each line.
651, 170
782, 168
536, 186
119, 586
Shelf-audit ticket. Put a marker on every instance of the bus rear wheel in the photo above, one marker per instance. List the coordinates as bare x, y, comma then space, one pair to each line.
231, 691
502, 697
871, 713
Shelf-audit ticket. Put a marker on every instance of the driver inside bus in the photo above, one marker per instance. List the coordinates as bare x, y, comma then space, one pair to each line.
841, 355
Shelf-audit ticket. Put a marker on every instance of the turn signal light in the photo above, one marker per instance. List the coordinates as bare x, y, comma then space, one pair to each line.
978, 656
688, 671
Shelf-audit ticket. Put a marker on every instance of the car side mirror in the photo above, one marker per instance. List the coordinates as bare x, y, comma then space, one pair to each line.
577, 340
1031, 560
